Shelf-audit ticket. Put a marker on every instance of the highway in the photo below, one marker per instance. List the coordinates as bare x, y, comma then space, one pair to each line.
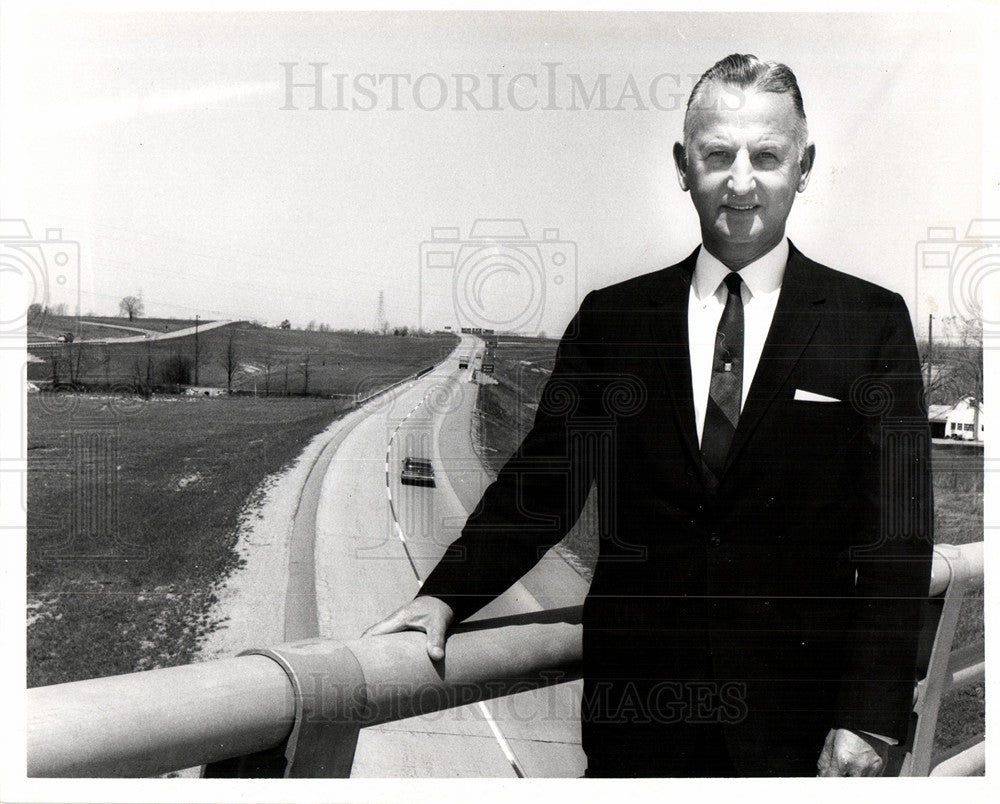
373, 540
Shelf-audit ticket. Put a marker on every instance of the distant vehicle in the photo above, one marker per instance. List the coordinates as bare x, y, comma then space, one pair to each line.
463, 362
417, 472
66, 338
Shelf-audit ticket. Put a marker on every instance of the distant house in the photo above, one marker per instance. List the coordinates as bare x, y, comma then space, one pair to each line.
937, 415
965, 421
204, 390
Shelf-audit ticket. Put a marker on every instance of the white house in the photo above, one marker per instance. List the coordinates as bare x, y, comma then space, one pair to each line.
965, 422
203, 390
937, 415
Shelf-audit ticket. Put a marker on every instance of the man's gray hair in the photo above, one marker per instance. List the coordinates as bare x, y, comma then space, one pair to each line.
747, 72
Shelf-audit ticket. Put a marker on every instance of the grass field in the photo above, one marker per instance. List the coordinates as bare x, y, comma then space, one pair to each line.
133, 508
123, 559
247, 359
506, 411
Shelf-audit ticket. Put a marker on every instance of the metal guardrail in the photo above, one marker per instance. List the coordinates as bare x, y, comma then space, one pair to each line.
296, 710
956, 572
292, 711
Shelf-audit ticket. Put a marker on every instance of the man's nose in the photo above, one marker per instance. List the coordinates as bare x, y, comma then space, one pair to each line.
741, 180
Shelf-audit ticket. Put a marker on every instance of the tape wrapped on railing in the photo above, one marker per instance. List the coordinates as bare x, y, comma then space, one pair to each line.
329, 691
330, 698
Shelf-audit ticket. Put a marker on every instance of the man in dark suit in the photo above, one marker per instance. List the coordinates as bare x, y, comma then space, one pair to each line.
753, 423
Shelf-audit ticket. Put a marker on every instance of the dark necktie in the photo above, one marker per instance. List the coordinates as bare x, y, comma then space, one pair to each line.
726, 389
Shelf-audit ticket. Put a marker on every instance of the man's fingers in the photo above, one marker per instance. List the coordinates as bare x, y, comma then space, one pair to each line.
435, 641
825, 760
390, 625
427, 614
394, 623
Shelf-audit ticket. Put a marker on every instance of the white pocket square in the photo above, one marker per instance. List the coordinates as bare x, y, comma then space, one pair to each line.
809, 396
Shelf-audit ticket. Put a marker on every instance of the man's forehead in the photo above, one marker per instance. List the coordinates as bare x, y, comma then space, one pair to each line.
722, 108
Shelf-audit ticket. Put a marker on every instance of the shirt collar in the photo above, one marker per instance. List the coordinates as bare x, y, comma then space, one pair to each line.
763, 275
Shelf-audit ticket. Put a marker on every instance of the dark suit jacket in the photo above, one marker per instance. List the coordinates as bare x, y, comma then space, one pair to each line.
780, 605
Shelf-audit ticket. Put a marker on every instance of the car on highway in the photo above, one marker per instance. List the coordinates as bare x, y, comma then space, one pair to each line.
417, 472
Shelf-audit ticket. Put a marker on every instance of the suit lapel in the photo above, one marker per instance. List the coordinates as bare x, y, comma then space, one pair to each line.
795, 319
668, 329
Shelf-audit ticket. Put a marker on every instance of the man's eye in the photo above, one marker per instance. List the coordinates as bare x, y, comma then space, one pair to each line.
767, 158
718, 156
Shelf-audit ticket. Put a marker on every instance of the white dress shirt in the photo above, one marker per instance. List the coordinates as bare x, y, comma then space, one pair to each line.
761, 286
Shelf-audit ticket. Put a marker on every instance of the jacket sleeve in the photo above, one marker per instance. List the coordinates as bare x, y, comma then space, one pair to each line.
538, 494
894, 542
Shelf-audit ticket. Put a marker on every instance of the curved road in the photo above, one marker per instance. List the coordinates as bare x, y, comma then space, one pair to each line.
147, 334
376, 539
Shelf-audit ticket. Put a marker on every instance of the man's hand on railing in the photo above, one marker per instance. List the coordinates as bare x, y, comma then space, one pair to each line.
423, 613
847, 753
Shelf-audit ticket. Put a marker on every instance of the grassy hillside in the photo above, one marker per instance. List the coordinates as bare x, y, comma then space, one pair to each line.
123, 559
245, 358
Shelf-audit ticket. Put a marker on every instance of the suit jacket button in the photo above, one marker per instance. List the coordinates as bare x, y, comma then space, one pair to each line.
715, 541
690, 471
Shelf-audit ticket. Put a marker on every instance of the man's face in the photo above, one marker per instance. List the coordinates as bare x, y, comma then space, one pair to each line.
743, 168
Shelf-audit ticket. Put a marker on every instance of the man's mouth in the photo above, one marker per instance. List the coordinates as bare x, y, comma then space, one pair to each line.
740, 207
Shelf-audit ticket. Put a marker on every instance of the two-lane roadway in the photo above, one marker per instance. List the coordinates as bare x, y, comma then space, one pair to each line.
376, 539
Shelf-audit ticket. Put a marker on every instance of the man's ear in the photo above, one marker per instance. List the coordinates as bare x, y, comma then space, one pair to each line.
680, 162
806, 165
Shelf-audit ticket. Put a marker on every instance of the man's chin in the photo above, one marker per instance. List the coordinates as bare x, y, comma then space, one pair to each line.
730, 235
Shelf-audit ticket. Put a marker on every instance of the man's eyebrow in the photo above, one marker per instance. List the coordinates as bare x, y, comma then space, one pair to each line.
775, 139
715, 141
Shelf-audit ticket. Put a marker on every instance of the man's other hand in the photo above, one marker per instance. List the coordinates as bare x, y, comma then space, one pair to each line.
423, 613
847, 753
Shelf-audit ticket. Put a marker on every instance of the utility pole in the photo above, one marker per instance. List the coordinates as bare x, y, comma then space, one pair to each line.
381, 323
930, 351
196, 349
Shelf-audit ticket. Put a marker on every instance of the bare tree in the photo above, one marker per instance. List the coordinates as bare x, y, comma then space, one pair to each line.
958, 362
102, 356
305, 376
132, 307
230, 361
75, 361
267, 363
54, 363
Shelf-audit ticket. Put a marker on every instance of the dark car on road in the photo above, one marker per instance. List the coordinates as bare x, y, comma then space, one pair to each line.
417, 472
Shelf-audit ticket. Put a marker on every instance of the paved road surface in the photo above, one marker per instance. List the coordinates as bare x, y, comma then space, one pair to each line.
147, 335
375, 539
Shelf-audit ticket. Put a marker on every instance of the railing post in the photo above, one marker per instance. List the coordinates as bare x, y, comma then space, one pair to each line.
939, 676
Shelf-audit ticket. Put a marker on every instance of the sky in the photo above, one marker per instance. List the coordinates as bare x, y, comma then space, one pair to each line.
158, 143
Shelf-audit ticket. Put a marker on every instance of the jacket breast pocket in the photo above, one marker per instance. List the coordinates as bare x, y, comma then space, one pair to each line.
815, 429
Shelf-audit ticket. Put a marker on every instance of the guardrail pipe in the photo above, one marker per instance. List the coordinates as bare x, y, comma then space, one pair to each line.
144, 724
